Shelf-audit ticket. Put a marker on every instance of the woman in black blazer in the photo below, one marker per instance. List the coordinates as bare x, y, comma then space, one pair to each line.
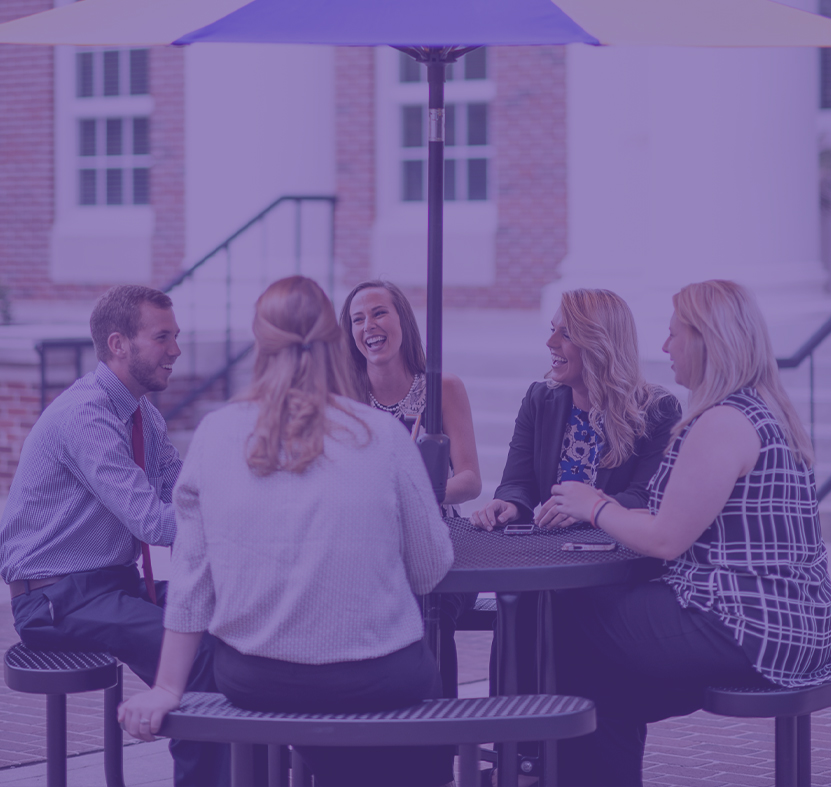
595, 419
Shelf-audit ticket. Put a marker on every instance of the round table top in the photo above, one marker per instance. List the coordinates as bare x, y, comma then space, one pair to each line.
494, 561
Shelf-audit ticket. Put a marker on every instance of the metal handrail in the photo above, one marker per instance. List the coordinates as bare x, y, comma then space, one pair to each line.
296, 198
193, 395
806, 351
231, 359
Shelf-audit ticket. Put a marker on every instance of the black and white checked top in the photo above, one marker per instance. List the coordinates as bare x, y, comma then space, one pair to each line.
78, 501
762, 566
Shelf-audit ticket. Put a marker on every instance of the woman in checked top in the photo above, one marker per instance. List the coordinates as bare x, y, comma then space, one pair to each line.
746, 599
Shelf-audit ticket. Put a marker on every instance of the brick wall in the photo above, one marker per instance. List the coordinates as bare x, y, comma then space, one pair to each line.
528, 127
167, 185
19, 409
26, 171
27, 166
354, 161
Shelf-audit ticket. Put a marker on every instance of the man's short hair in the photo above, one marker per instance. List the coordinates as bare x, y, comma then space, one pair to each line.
118, 310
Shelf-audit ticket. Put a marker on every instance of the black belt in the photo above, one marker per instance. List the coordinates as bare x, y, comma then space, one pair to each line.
21, 586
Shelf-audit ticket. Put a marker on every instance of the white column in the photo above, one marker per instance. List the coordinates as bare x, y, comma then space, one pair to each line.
689, 164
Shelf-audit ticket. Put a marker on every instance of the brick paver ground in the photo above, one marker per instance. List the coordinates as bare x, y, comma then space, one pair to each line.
700, 750
23, 716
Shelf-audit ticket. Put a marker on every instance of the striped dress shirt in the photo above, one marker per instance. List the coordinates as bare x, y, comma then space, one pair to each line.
78, 501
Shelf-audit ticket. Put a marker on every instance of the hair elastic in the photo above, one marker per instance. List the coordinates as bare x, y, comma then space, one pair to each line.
596, 511
305, 347
594, 508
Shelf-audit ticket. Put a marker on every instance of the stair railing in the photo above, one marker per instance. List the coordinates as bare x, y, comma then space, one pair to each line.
806, 351
227, 280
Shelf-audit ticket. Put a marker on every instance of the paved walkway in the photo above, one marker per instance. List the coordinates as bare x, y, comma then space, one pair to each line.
697, 751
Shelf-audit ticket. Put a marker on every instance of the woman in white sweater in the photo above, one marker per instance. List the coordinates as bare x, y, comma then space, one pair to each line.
306, 522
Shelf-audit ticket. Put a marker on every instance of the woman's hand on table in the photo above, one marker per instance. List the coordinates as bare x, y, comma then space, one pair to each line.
549, 516
142, 715
497, 513
574, 500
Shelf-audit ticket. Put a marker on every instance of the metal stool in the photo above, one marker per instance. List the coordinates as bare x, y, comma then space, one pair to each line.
56, 674
792, 709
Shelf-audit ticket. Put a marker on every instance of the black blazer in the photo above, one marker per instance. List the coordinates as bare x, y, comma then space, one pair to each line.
537, 445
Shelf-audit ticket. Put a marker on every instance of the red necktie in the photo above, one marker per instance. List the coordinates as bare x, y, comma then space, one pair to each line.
138, 456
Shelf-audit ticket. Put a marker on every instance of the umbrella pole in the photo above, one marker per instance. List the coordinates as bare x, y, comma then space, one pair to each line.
435, 446
435, 237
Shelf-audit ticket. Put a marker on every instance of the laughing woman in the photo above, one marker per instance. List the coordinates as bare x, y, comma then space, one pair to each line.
595, 420
746, 600
387, 364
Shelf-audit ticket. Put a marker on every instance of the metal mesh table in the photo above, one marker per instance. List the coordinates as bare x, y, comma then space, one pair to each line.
512, 564
493, 561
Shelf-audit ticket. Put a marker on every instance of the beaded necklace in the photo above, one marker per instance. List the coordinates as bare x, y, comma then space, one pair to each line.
398, 409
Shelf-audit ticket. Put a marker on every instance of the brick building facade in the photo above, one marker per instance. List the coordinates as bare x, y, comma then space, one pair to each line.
527, 173
27, 167
529, 137
26, 161
28, 199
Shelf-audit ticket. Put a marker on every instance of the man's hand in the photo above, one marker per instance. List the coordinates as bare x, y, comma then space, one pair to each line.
143, 713
495, 514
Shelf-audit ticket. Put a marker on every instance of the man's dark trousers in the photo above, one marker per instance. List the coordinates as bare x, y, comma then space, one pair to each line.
108, 610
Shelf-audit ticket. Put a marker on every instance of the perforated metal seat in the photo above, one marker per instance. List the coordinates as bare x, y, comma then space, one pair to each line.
468, 722
791, 709
56, 674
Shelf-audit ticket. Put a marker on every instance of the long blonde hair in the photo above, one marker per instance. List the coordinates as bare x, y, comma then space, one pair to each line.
600, 324
731, 349
298, 368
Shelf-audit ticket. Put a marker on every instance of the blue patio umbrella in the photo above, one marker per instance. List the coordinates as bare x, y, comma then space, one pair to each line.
436, 33
443, 31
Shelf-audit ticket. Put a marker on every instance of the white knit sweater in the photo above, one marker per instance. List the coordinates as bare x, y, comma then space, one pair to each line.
317, 567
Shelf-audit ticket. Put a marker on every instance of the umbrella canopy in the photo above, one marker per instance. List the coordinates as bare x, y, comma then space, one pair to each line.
426, 23
435, 32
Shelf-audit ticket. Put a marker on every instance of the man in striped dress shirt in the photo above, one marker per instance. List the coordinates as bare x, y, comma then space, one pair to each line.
81, 504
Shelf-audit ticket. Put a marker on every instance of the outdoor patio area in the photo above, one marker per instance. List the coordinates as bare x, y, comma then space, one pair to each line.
687, 752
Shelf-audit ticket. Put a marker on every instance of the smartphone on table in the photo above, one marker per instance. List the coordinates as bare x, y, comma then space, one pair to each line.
588, 546
519, 530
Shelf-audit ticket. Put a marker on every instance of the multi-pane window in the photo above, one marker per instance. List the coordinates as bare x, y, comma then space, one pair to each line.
467, 135
114, 72
114, 161
113, 152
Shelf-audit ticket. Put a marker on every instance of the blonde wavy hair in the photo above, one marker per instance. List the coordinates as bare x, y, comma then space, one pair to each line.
600, 324
298, 369
731, 349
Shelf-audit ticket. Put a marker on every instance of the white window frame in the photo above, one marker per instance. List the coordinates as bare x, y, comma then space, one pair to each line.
94, 243
127, 161
399, 239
